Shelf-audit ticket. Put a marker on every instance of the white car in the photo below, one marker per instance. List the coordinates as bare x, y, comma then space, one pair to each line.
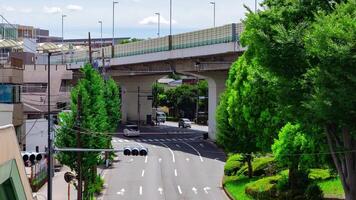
131, 130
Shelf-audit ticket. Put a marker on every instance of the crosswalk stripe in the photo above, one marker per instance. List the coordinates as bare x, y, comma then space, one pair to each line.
126, 141
156, 140
120, 140
162, 139
144, 140
168, 140
137, 140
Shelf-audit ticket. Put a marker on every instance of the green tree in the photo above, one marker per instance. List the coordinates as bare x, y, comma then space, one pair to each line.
113, 104
309, 46
157, 92
290, 150
331, 42
93, 125
247, 115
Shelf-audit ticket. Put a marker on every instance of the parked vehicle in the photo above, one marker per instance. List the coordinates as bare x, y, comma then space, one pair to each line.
161, 117
131, 130
184, 123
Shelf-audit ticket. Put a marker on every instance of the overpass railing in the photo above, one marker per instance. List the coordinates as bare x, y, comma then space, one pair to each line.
223, 34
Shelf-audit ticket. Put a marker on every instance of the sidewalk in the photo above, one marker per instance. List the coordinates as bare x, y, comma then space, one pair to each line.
59, 188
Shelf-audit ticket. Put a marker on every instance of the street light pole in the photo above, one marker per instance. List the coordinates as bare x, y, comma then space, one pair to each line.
63, 16
49, 148
214, 4
159, 23
170, 17
255, 6
101, 33
113, 22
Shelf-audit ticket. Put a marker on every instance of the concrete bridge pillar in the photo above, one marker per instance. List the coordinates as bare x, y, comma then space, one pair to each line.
132, 88
216, 83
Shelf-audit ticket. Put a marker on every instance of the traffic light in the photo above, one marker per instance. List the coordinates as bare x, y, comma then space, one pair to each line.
31, 157
135, 151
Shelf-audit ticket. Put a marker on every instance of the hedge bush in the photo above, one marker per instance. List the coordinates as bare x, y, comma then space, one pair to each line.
262, 166
233, 164
264, 188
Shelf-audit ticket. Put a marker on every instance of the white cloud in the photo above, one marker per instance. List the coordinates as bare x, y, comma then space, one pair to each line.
72, 7
26, 10
154, 20
52, 10
8, 8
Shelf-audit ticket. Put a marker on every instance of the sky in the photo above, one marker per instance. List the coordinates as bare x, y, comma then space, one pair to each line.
133, 18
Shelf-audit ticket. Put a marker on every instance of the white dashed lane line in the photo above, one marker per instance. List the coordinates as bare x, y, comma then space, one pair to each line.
143, 173
175, 172
179, 189
140, 190
173, 158
201, 159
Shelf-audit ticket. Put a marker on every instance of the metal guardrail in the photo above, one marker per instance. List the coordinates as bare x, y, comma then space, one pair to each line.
223, 34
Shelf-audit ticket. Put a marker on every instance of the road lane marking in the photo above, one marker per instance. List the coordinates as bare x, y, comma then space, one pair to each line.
114, 141
175, 172
160, 190
179, 190
137, 140
121, 192
131, 160
159, 159
162, 140
187, 159
150, 140
156, 140
174, 139
201, 159
120, 140
169, 140
140, 190
195, 190
202, 145
143, 173
177, 145
173, 158
126, 141
146, 159
206, 189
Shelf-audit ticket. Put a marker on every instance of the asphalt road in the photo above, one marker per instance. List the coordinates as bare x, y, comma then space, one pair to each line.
178, 166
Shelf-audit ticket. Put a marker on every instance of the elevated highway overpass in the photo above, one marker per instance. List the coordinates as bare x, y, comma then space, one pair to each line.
205, 54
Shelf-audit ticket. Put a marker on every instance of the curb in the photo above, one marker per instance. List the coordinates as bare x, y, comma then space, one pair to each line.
226, 192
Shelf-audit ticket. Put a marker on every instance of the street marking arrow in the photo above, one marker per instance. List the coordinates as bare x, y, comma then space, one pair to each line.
160, 190
195, 190
206, 189
121, 192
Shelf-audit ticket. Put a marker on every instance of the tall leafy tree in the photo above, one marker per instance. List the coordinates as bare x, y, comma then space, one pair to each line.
309, 46
93, 124
331, 44
247, 115
113, 103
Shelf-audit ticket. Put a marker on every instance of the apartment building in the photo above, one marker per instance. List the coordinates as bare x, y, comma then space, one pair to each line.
35, 87
11, 107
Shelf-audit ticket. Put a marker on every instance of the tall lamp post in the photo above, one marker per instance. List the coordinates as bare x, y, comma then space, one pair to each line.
214, 5
170, 17
63, 16
113, 22
101, 33
158, 23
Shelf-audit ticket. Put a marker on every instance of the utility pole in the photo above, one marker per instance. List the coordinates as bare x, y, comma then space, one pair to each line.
170, 17
90, 55
63, 16
79, 156
197, 105
138, 107
49, 149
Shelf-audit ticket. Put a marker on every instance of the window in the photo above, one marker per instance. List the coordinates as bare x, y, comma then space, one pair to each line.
65, 85
7, 190
10, 93
34, 88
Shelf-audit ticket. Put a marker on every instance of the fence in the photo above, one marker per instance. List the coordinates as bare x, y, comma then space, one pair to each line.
223, 34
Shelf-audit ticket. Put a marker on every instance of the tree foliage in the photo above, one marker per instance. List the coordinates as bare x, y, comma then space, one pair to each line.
309, 49
94, 124
247, 115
